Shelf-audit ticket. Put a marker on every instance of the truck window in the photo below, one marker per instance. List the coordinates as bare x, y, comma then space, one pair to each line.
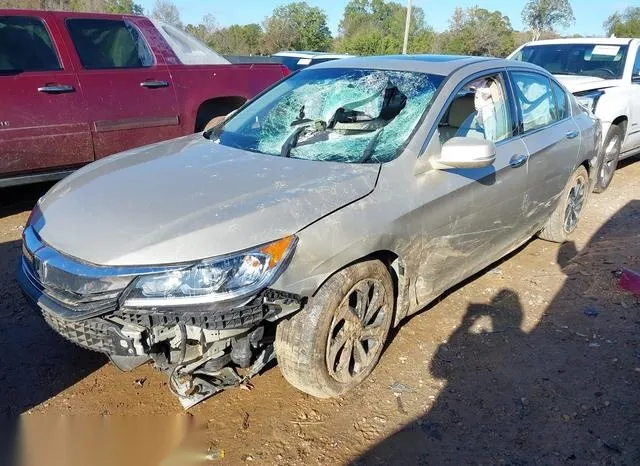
106, 43
25, 45
189, 50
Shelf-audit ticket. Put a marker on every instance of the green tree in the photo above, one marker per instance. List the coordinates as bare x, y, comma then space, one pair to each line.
476, 31
238, 39
297, 26
205, 30
123, 6
625, 24
371, 27
546, 15
167, 11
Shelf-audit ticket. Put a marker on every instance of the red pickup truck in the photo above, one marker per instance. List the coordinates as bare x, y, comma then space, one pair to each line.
75, 87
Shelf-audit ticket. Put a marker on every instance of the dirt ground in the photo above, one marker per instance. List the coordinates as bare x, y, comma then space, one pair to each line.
534, 361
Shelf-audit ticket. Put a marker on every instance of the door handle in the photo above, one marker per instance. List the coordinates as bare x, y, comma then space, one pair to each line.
518, 160
153, 84
571, 134
56, 88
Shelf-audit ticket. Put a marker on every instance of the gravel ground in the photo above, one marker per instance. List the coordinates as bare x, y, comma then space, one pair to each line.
534, 361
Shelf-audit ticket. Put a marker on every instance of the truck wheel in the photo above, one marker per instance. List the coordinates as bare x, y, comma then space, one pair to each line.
334, 343
611, 147
564, 219
215, 121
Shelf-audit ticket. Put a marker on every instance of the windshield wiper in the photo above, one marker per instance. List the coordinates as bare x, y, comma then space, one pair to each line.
368, 151
290, 143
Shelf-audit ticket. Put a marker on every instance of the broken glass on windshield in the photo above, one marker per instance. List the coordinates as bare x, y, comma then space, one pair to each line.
344, 115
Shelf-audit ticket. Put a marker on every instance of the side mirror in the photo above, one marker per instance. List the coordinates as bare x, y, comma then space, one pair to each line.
465, 152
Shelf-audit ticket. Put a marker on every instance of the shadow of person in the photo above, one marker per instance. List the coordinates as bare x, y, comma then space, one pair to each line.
563, 392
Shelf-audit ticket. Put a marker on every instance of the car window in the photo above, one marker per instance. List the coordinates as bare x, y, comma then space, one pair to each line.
106, 43
25, 45
561, 102
535, 100
479, 110
636, 65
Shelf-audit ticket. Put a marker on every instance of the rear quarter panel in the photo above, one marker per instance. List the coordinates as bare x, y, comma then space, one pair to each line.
590, 128
195, 84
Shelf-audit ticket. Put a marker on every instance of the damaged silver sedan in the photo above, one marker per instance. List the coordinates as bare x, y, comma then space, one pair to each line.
321, 214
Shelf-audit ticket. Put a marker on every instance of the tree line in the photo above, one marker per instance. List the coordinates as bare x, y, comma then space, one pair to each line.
368, 27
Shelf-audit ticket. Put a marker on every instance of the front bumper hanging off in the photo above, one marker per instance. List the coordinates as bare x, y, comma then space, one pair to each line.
201, 351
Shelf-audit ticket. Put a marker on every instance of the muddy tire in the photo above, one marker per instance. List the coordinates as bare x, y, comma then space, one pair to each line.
215, 121
565, 218
334, 343
611, 148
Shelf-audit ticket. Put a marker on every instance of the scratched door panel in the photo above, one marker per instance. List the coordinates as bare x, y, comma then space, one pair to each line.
129, 91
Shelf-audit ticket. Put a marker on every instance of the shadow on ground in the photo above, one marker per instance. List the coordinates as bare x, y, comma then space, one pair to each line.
564, 393
35, 363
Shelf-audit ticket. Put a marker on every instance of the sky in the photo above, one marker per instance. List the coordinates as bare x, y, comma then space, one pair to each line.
590, 14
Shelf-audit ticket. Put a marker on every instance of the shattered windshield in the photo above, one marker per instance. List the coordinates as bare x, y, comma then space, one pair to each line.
342, 114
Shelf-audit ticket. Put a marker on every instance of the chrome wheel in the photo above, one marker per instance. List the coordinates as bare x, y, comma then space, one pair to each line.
610, 160
575, 203
358, 331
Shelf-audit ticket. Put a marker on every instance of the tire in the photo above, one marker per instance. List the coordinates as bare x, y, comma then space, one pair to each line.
565, 217
611, 148
322, 350
215, 121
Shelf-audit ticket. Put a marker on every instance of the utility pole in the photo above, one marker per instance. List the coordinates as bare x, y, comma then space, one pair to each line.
407, 24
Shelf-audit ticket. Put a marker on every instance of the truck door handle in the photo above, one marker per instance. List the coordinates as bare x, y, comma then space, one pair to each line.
153, 84
518, 160
571, 134
56, 88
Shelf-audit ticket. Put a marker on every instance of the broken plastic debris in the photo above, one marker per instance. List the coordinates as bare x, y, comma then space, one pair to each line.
630, 281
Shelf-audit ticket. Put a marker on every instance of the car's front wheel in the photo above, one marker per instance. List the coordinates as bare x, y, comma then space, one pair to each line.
565, 217
334, 343
611, 148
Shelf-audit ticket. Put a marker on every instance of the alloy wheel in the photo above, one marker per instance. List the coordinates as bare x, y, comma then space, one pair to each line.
575, 203
611, 154
357, 331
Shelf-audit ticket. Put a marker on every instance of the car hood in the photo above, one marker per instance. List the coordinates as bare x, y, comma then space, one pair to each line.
190, 198
585, 83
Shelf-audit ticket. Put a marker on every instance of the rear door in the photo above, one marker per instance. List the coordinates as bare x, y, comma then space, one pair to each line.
552, 138
43, 123
128, 88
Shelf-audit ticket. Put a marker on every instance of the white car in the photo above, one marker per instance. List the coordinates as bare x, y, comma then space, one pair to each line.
604, 75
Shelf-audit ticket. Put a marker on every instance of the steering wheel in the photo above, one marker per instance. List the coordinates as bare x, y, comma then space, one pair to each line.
606, 70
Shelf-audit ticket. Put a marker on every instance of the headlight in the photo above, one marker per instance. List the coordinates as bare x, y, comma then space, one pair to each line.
210, 281
590, 99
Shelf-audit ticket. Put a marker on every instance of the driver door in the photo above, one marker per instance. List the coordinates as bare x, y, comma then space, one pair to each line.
472, 216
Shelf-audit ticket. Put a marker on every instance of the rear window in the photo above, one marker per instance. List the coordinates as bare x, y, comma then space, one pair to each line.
603, 61
106, 44
25, 45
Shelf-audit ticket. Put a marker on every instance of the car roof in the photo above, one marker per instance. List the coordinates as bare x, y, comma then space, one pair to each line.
64, 14
296, 54
433, 64
583, 40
